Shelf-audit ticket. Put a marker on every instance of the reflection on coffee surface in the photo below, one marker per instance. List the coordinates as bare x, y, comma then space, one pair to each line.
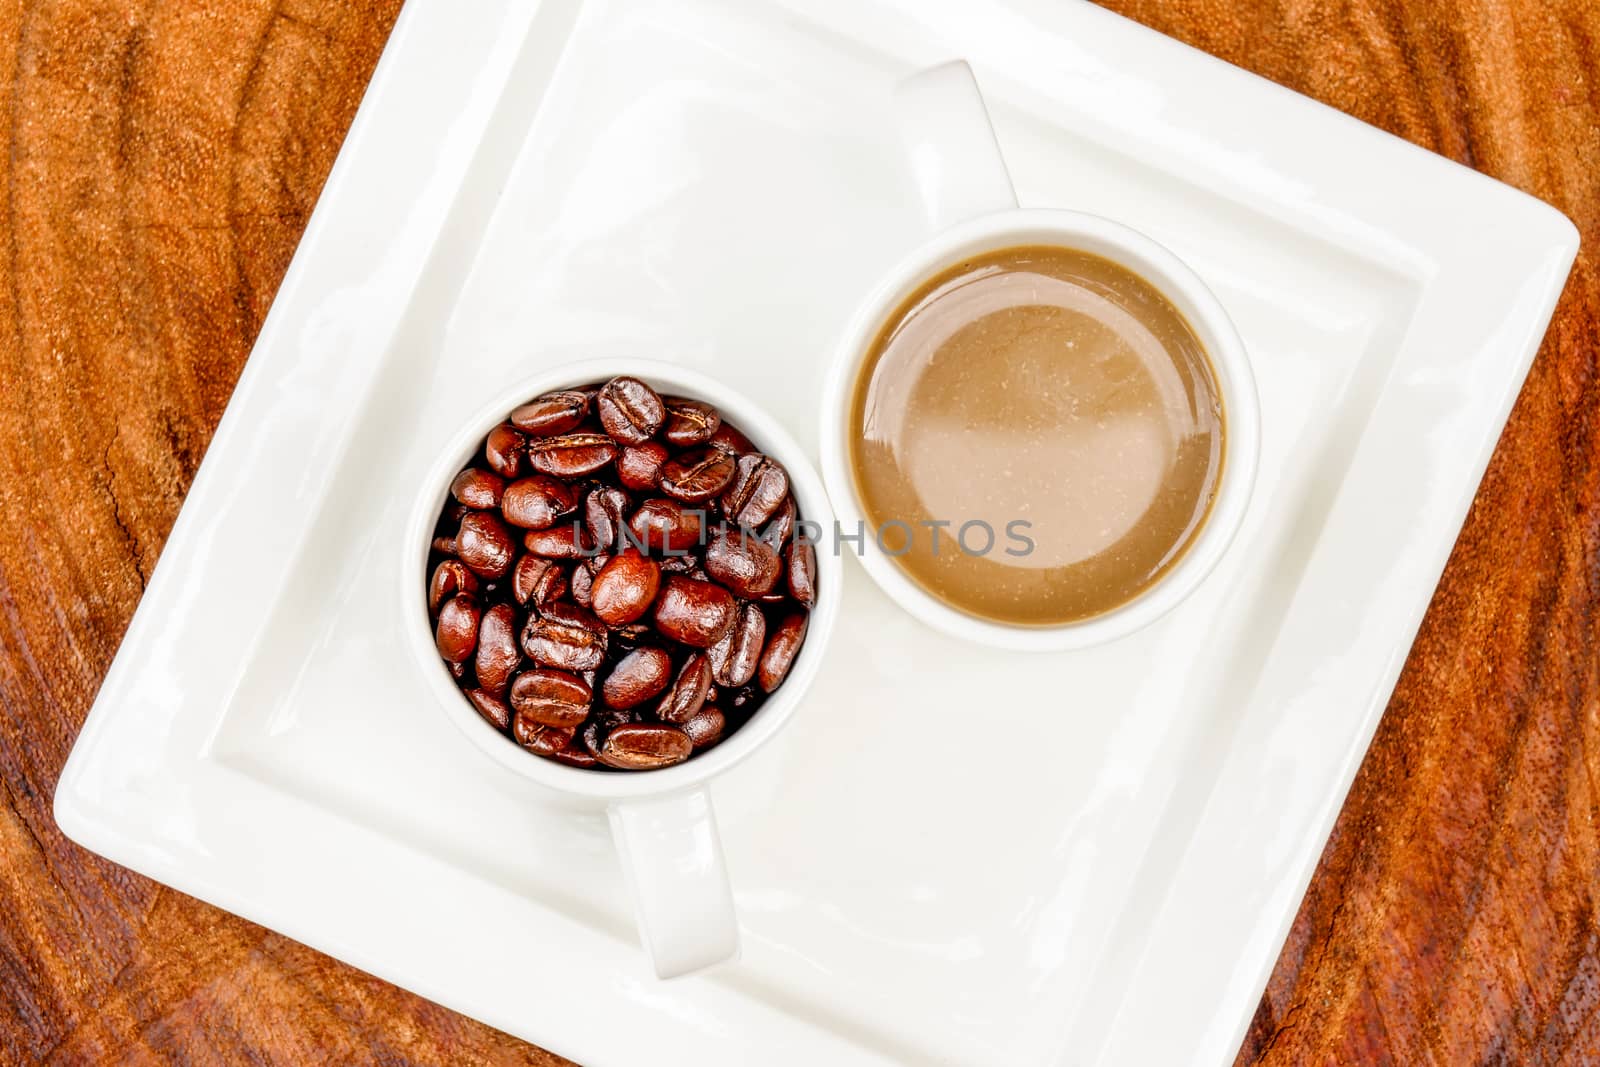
1048, 399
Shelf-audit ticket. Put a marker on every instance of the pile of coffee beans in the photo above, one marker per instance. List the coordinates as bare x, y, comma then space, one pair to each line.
615, 580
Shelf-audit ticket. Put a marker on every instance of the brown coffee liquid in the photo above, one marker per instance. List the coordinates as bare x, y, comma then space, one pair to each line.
1054, 398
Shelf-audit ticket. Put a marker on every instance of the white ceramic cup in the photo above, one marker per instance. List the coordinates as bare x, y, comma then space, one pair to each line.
971, 208
662, 821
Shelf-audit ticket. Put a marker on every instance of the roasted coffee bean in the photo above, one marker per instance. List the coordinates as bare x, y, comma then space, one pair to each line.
638, 676
632, 634
484, 544
478, 489
592, 735
575, 754
541, 524
497, 653
625, 588
705, 728
665, 526
537, 737
734, 658
582, 586
742, 562
801, 564
457, 631
782, 647
571, 455
760, 485
606, 512
538, 503
689, 422
645, 746
729, 439
694, 613
492, 708
687, 694
554, 698
697, 476
601, 722
678, 564
630, 410
449, 578
566, 637
781, 525
639, 466
505, 450
567, 541
538, 581
553, 413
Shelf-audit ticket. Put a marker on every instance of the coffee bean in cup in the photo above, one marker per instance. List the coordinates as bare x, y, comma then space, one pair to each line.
615, 581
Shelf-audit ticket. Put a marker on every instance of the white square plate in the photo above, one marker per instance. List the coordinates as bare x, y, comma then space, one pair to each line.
953, 855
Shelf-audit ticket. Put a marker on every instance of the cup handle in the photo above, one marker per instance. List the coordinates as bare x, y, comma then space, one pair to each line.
954, 154
672, 858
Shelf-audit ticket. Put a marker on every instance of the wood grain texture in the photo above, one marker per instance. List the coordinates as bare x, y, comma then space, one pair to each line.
163, 158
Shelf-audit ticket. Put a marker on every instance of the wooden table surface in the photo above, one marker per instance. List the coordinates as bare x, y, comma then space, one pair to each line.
163, 158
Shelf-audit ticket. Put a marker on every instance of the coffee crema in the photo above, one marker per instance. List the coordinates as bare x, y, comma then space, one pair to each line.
1038, 433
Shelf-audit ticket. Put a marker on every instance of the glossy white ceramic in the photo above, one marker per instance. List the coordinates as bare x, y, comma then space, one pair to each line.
663, 822
970, 208
954, 854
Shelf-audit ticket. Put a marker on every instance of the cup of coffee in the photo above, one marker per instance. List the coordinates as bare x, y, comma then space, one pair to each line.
1041, 427
621, 609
